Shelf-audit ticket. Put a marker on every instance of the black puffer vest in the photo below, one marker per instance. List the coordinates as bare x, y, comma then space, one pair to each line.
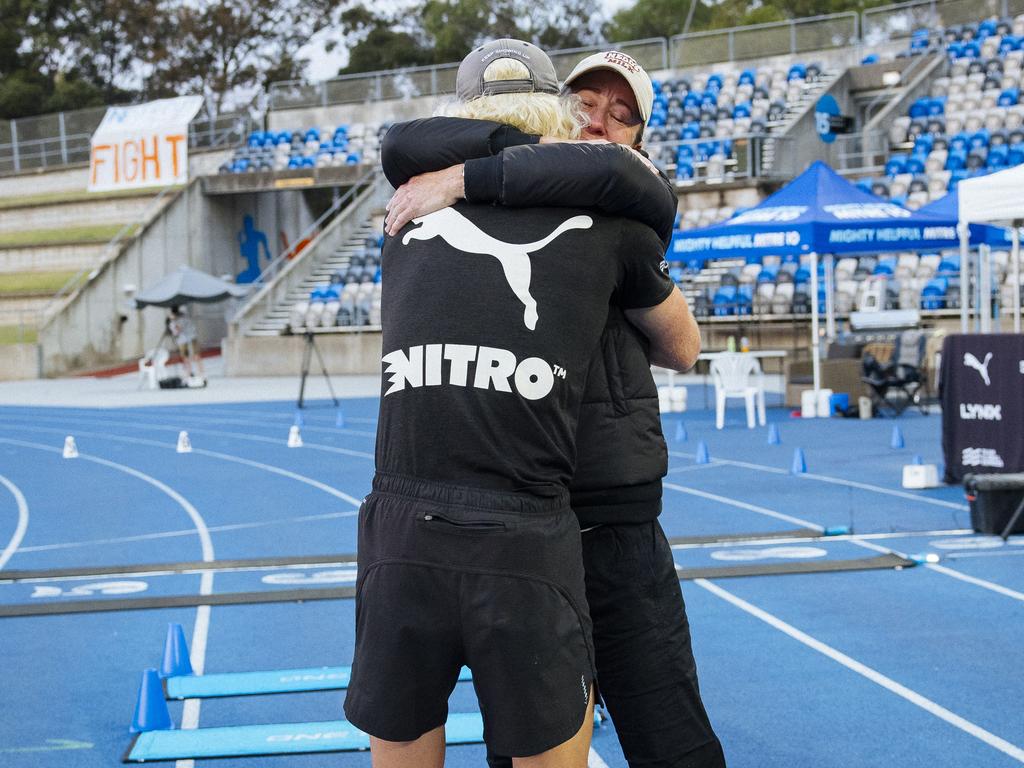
621, 452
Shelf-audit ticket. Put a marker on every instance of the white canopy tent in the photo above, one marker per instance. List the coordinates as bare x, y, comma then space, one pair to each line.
996, 197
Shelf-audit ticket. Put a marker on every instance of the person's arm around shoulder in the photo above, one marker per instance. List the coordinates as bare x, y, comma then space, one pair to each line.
652, 302
671, 330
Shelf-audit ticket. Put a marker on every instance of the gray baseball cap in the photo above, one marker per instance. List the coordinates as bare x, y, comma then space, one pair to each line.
469, 82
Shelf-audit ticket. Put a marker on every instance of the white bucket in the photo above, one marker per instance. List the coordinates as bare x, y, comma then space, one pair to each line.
824, 404
808, 404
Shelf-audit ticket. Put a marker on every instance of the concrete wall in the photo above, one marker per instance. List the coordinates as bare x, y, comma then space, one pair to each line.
18, 361
343, 353
50, 257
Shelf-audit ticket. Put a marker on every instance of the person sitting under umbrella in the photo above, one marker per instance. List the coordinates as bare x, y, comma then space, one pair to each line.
183, 330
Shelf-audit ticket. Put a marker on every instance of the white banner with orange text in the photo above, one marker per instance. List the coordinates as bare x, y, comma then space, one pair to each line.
145, 145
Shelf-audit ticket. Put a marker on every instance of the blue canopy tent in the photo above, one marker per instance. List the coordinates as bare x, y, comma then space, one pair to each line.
819, 212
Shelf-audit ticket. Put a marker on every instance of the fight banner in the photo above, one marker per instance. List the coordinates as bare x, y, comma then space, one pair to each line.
982, 392
145, 145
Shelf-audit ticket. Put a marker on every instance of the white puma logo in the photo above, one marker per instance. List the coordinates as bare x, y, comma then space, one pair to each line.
972, 362
462, 234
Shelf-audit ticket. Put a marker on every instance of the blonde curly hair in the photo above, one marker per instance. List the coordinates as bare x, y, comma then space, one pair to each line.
544, 114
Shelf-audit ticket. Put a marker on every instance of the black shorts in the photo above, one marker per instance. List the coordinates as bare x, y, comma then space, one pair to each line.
645, 663
450, 576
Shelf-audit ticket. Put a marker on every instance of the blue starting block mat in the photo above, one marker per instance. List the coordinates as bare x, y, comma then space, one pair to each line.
764, 558
277, 739
266, 682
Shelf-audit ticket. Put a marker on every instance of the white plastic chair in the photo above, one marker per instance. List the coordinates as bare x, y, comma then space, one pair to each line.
738, 375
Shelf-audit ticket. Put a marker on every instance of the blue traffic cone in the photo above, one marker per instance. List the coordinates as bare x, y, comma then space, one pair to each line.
773, 435
340, 420
897, 438
799, 463
917, 459
703, 455
681, 432
176, 660
151, 712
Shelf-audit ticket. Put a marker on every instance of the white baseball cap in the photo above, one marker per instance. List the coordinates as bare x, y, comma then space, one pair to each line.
625, 65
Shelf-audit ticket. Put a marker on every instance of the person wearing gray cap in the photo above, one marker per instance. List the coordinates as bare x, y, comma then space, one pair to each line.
469, 552
645, 664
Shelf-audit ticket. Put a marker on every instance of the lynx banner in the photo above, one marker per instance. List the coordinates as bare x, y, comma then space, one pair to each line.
145, 145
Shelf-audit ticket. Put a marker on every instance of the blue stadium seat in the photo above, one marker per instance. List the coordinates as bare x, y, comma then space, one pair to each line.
998, 157
741, 110
949, 266
919, 108
313, 134
933, 295
709, 99
979, 140
690, 131
971, 50
864, 185
956, 160
1009, 97
924, 144
871, 58
747, 77
694, 264
1015, 155
797, 72
715, 81
896, 165
955, 50
915, 164
1009, 43
725, 300
685, 153
684, 170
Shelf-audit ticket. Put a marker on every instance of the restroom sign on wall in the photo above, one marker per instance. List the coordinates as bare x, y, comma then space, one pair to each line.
145, 145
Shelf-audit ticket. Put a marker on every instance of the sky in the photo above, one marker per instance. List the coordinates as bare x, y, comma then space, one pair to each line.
323, 65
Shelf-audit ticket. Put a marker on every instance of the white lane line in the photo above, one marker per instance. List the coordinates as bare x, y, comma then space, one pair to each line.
217, 455
190, 713
757, 540
835, 481
695, 467
217, 433
288, 417
20, 528
989, 585
174, 534
965, 555
150, 573
594, 760
744, 505
871, 674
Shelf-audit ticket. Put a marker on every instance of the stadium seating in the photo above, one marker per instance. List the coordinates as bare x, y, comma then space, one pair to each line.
697, 120
971, 122
329, 146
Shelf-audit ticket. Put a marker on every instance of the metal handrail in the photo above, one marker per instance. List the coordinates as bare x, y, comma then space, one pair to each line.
271, 270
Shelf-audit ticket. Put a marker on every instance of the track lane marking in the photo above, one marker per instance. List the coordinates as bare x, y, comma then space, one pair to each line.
201, 629
173, 534
983, 583
873, 675
217, 455
217, 433
745, 505
19, 530
835, 481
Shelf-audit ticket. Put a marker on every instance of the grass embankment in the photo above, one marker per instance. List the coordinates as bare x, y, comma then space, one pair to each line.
87, 235
14, 334
44, 283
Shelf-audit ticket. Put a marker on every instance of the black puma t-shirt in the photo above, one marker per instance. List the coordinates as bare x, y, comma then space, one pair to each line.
490, 318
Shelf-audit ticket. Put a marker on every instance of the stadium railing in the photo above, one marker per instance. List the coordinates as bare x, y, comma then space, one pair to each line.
899, 20
328, 232
777, 38
433, 80
62, 138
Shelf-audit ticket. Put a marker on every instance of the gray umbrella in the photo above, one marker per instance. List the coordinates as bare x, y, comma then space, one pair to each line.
186, 285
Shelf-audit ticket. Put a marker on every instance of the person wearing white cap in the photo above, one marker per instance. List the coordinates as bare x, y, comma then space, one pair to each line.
646, 669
